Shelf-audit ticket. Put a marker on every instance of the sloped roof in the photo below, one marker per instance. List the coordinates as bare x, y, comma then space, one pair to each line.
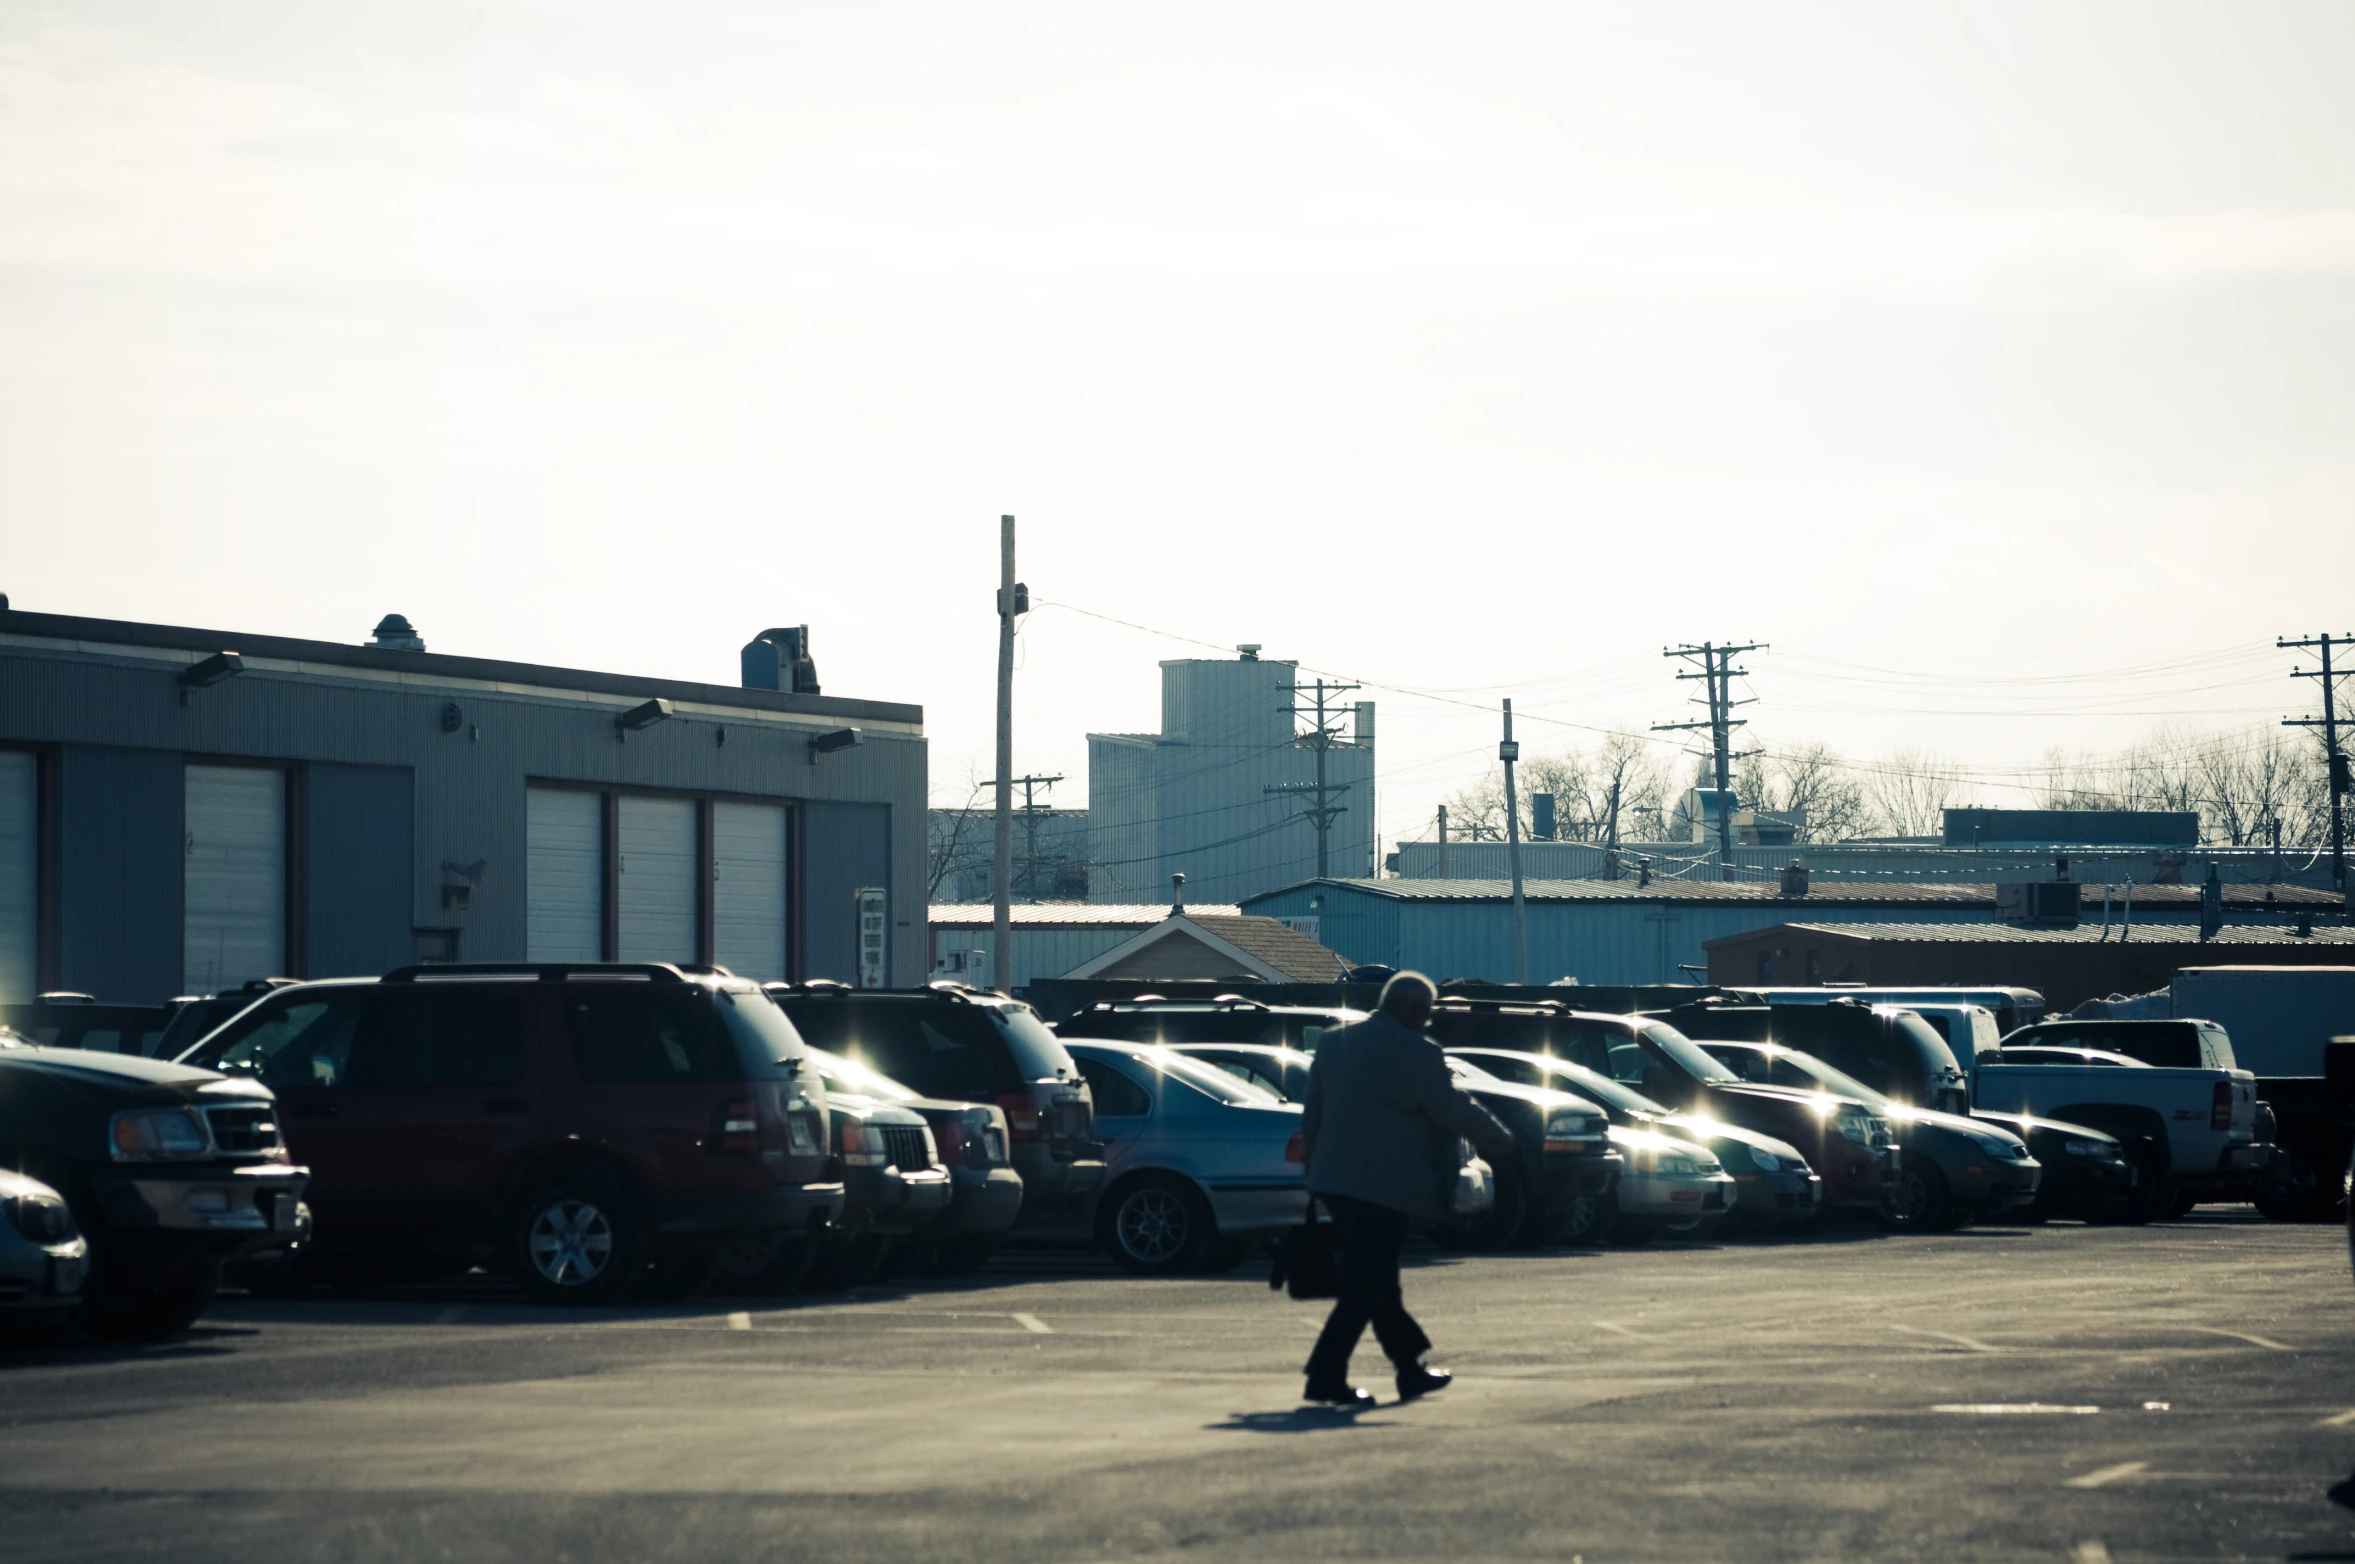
1061, 914
1821, 893
1259, 947
2243, 935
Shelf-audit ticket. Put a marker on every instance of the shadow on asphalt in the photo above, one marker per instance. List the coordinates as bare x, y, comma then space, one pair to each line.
1300, 1420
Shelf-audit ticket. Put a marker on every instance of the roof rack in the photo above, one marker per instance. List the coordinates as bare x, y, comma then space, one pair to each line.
822, 987
549, 971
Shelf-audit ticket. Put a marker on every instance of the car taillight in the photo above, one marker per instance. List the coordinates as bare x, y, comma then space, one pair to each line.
948, 1139
863, 1145
739, 1126
1024, 1121
2220, 1114
1296, 1149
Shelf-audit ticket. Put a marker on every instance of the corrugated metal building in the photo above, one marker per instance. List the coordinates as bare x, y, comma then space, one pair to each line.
1865, 862
1194, 798
2066, 965
1616, 931
1050, 938
184, 809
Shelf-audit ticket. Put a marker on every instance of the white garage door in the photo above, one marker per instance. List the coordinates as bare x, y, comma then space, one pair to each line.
234, 890
748, 890
19, 878
657, 912
564, 875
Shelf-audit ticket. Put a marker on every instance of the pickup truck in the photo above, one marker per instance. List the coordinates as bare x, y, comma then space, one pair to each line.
2190, 1128
2290, 1025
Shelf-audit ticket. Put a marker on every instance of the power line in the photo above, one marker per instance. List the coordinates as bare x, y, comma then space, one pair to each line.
2334, 758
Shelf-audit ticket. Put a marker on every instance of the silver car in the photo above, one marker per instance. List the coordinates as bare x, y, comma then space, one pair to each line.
1669, 1184
1198, 1164
43, 1257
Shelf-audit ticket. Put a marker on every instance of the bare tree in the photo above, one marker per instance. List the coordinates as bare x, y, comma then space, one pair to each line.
959, 839
1823, 792
1911, 791
1597, 793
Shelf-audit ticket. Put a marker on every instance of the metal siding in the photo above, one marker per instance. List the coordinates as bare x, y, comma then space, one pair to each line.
748, 893
845, 848
119, 857
565, 875
356, 869
234, 898
20, 876
656, 880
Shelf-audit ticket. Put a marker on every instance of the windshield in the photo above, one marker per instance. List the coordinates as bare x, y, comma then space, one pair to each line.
1610, 1093
1673, 1044
1928, 1046
848, 1075
1838, 1082
1208, 1079
765, 1040
1465, 1070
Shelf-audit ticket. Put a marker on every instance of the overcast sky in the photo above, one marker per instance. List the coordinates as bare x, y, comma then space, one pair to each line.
1480, 350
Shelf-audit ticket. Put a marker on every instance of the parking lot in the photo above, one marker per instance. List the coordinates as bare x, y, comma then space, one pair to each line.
1850, 1396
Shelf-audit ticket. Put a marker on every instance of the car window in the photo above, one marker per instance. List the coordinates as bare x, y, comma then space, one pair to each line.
933, 1048
300, 1043
646, 1034
1117, 1097
1594, 1084
457, 1037
1673, 1045
1038, 1053
848, 1075
1522, 1070
1208, 1079
1748, 1063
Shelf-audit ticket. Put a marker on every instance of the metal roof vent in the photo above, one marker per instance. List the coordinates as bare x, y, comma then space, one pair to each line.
1249, 651
394, 633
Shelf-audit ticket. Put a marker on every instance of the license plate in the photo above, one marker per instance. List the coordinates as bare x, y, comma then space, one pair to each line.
286, 1214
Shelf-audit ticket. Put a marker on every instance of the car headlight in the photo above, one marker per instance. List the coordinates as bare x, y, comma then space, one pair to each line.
1861, 1125
2003, 1150
158, 1134
41, 1219
1765, 1161
1569, 1124
2101, 1150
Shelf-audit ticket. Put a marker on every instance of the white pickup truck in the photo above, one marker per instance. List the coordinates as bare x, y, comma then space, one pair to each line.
2189, 1127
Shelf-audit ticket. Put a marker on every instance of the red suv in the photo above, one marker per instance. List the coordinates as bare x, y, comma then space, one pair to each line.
588, 1128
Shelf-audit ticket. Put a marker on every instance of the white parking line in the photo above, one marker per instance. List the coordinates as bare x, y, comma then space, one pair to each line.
2338, 1419
1621, 1330
1033, 1324
740, 1320
2105, 1475
2091, 1551
2241, 1335
1971, 1342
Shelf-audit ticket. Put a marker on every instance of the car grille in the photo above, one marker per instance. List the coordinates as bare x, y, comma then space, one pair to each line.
1786, 1201
905, 1143
243, 1130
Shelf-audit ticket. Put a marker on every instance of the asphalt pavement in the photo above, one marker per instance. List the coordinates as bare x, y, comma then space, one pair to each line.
2182, 1391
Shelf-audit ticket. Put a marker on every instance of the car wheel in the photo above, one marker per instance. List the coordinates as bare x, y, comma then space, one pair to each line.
1699, 1231
149, 1307
844, 1263
1495, 1228
1919, 1203
579, 1240
2154, 1192
1158, 1225
2293, 1189
960, 1256
764, 1265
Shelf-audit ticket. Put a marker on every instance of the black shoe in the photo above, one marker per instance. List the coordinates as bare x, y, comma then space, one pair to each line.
1421, 1381
1347, 1397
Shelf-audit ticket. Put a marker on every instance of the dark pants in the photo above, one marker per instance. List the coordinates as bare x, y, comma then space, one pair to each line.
1370, 1238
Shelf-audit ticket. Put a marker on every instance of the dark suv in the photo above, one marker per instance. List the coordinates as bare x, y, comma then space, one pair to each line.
949, 1041
590, 1128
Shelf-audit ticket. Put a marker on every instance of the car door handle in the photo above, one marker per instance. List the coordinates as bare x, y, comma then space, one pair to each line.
316, 1110
506, 1105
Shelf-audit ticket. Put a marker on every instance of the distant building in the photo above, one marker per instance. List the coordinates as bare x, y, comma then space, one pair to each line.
1050, 854
1625, 931
1050, 938
1220, 793
1867, 861
1196, 944
2066, 965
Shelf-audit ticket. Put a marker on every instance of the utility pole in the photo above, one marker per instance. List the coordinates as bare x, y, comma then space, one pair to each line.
1030, 813
1510, 753
2334, 758
1443, 841
1320, 738
1718, 671
1013, 599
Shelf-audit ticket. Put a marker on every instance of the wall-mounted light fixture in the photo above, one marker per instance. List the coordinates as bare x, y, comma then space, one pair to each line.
828, 743
641, 717
206, 674
452, 718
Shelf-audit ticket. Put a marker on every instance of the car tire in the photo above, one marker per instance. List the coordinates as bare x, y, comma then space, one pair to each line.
2154, 1192
844, 1263
1156, 1225
960, 1256
1919, 1203
1702, 1230
2293, 1189
578, 1240
151, 1307
1497, 1228
763, 1265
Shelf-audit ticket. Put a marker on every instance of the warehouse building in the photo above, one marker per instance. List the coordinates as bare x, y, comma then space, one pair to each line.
2066, 965
184, 809
1626, 931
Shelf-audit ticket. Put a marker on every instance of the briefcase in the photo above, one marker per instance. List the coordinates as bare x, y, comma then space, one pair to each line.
1306, 1264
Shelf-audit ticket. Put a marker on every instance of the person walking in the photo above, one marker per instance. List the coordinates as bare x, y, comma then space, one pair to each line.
1380, 1129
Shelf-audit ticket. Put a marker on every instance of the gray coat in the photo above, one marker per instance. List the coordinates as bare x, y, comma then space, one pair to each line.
1383, 1117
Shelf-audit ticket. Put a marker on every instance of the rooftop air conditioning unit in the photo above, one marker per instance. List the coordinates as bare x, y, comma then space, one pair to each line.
2043, 903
